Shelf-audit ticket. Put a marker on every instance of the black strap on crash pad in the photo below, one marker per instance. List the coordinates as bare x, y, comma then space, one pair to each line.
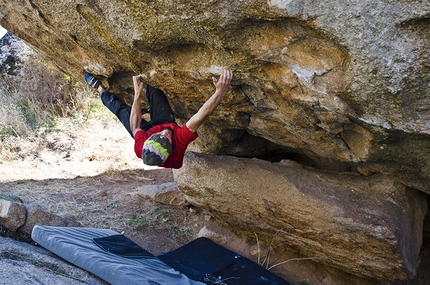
122, 246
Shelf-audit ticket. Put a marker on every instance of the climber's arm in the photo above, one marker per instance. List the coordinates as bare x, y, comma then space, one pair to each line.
136, 113
212, 103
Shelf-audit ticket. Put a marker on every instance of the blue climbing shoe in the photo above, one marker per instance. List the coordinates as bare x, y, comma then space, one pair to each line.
91, 80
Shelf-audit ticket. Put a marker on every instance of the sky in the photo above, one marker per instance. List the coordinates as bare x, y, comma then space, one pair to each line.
2, 31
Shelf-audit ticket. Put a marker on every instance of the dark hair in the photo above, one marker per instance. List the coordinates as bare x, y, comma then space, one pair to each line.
170, 129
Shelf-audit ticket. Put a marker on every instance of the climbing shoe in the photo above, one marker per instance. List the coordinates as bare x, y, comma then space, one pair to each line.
91, 80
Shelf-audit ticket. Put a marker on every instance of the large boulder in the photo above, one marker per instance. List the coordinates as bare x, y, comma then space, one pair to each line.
331, 83
370, 227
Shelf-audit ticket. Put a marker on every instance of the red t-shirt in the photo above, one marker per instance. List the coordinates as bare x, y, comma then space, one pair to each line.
181, 138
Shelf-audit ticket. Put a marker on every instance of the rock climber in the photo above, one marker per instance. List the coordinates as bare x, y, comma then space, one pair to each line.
160, 141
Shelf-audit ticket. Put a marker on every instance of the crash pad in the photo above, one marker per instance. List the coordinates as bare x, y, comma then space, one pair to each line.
118, 260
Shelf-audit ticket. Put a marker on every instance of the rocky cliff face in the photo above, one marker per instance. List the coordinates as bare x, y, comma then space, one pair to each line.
10, 48
339, 86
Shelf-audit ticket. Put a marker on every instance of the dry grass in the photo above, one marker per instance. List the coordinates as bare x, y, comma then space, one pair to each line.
38, 94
